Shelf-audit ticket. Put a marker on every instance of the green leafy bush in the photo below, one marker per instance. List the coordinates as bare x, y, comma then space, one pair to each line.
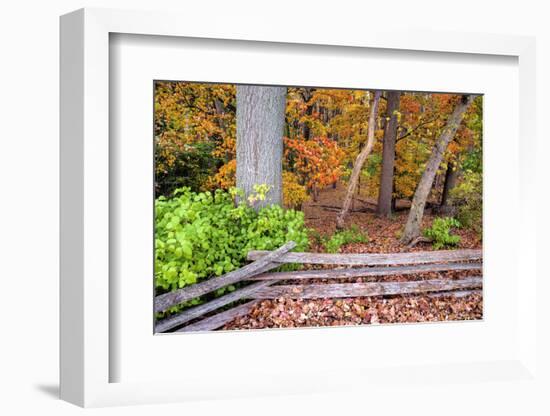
468, 198
440, 233
339, 238
201, 235
316, 237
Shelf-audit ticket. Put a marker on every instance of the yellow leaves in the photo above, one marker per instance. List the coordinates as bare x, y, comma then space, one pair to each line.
294, 194
398, 115
227, 148
410, 157
189, 109
326, 130
260, 194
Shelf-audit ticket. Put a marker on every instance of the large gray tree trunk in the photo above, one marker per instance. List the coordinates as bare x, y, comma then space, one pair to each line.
412, 228
260, 126
388, 155
358, 165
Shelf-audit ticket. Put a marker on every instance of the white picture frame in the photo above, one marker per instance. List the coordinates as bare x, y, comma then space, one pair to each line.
86, 353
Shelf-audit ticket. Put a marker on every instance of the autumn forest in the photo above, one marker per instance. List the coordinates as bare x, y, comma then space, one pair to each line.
285, 207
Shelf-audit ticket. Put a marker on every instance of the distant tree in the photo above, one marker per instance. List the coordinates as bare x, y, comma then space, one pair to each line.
414, 221
388, 154
358, 165
451, 176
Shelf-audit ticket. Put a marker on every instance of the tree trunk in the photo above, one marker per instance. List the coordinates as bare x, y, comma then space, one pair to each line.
358, 165
450, 181
315, 192
412, 228
260, 127
306, 96
388, 156
220, 110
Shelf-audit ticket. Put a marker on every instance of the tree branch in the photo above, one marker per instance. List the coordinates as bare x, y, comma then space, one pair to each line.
409, 132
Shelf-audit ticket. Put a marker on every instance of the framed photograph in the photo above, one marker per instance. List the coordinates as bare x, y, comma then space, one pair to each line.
297, 174
281, 206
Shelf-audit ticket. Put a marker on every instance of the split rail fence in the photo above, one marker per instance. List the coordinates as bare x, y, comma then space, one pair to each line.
265, 284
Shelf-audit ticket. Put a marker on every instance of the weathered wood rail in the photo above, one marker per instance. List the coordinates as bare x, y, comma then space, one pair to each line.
366, 272
198, 311
166, 301
220, 319
266, 287
377, 259
353, 290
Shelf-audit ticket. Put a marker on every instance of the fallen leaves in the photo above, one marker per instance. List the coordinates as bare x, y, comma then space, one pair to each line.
383, 238
289, 313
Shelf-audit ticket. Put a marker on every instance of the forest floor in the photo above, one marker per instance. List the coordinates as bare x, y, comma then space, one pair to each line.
383, 234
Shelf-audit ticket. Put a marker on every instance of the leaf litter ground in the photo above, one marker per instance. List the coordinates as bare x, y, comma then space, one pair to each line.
383, 236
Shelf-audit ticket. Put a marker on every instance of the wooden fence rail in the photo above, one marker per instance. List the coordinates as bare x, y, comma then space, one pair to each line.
200, 310
167, 300
353, 290
220, 319
266, 287
377, 259
346, 273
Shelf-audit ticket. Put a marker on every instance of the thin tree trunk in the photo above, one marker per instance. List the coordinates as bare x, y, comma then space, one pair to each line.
220, 110
450, 181
358, 165
306, 96
260, 127
315, 192
412, 228
388, 156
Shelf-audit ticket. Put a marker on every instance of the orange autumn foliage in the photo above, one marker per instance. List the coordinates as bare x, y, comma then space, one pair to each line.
325, 129
225, 178
317, 162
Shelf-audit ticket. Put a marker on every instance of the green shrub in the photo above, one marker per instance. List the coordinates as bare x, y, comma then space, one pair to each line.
202, 235
316, 237
468, 198
339, 238
440, 233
